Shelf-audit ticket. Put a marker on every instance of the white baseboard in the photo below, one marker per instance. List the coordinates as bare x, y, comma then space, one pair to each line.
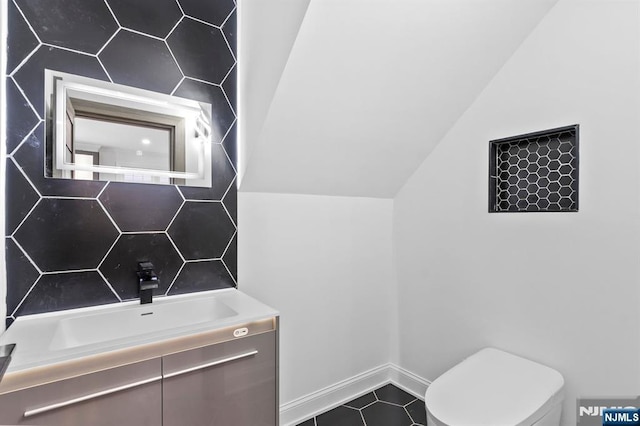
310, 405
408, 381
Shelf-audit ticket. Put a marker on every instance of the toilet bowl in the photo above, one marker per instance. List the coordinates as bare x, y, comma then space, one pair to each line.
495, 388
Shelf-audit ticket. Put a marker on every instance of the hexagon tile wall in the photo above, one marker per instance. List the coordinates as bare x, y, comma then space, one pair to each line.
536, 172
76, 243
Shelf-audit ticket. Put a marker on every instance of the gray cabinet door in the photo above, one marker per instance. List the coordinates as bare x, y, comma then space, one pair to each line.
226, 384
130, 395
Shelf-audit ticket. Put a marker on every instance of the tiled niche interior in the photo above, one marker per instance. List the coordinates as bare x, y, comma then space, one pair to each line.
535, 172
76, 243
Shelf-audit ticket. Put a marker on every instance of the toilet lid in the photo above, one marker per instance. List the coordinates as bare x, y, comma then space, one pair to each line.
494, 388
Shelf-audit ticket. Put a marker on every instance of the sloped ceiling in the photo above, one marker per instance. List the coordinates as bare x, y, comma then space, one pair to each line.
370, 87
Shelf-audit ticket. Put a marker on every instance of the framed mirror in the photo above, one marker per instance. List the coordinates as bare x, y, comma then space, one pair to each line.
104, 131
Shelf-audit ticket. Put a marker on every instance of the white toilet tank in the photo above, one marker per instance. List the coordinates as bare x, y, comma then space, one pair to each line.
495, 388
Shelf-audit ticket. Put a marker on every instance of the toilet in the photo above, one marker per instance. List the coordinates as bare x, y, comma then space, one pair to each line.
495, 388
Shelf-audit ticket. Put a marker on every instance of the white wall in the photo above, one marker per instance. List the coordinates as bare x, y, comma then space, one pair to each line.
559, 288
371, 86
267, 30
325, 263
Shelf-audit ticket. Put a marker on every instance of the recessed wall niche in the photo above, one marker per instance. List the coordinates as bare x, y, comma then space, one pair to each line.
535, 172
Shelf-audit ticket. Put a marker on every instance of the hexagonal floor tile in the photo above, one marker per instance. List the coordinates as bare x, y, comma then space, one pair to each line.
155, 17
66, 234
383, 414
202, 276
362, 401
59, 22
393, 394
201, 230
141, 207
212, 11
139, 61
210, 59
340, 416
30, 76
56, 292
22, 197
20, 273
121, 264
20, 39
417, 411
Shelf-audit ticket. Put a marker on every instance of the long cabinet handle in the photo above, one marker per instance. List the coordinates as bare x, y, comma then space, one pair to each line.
210, 364
66, 403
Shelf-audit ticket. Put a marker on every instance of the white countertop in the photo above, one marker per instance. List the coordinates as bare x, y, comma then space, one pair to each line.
58, 337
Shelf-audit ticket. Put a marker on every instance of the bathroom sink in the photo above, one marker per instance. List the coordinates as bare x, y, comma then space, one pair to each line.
58, 337
143, 320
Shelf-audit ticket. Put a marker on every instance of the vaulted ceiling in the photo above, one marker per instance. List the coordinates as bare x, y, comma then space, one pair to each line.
348, 97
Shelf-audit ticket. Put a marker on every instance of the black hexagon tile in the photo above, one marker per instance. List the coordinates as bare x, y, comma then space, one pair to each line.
362, 401
61, 22
201, 230
230, 144
340, 416
230, 86
20, 39
66, 234
120, 265
30, 76
155, 17
56, 292
141, 207
230, 201
230, 257
20, 117
139, 61
209, 59
386, 414
230, 31
212, 11
223, 116
417, 412
394, 395
30, 156
22, 197
202, 276
21, 274
222, 175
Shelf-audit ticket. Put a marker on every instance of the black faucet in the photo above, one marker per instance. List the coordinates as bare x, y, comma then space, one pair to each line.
148, 280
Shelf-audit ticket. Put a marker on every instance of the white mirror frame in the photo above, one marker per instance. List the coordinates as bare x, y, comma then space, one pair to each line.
196, 115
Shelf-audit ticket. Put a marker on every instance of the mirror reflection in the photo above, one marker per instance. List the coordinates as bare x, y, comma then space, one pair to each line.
105, 131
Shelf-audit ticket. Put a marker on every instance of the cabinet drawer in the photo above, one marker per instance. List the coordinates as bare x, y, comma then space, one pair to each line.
126, 395
226, 384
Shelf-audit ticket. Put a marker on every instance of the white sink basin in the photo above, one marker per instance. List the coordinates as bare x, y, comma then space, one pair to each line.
140, 321
49, 338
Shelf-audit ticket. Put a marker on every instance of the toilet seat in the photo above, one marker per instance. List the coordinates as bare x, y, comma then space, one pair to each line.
493, 388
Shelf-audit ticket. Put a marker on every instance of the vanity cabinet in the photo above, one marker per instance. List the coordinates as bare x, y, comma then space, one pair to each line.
126, 395
229, 383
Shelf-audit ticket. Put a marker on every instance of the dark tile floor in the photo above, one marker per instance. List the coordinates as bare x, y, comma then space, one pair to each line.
387, 406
